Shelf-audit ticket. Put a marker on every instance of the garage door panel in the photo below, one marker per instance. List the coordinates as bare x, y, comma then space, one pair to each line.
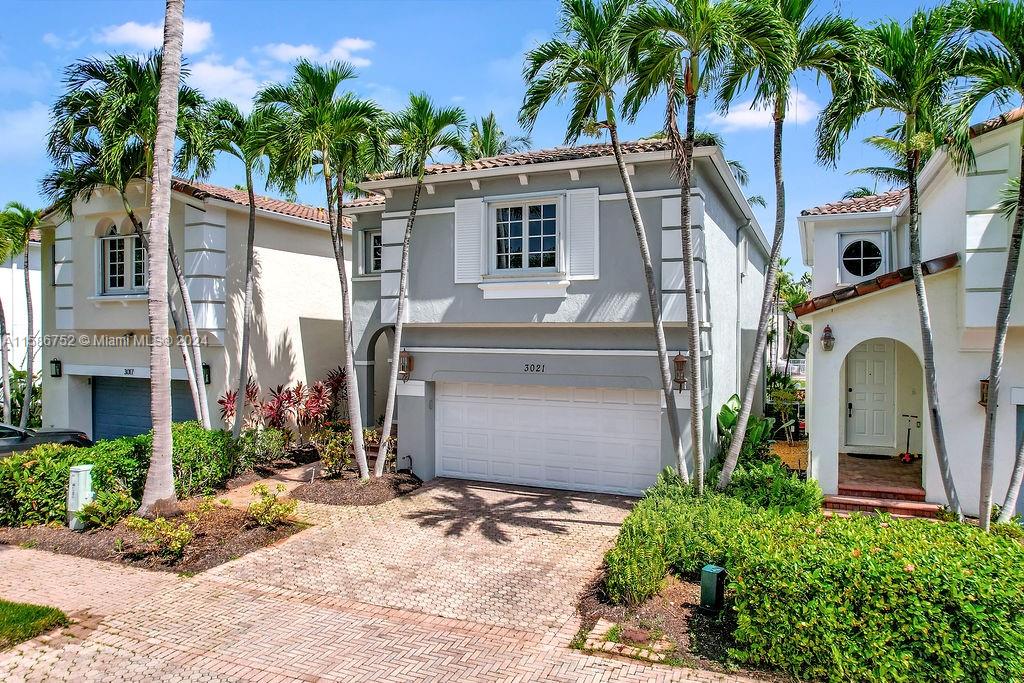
120, 406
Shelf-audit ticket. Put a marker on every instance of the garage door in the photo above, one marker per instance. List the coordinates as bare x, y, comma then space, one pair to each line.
583, 439
120, 406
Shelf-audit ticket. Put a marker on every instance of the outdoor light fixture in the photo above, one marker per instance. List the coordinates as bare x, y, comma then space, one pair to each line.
680, 365
56, 368
712, 588
206, 373
983, 392
405, 365
828, 340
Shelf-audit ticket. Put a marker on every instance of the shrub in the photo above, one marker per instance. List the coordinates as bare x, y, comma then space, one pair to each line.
169, 538
34, 485
270, 510
259, 446
203, 459
333, 448
757, 441
770, 485
107, 509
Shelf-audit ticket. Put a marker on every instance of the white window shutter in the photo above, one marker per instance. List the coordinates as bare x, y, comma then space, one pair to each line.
470, 239
584, 233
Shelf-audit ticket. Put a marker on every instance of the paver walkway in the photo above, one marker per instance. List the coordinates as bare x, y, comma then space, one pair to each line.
458, 581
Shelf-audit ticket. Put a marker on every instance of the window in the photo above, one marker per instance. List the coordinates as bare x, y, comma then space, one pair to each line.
862, 258
374, 252
526, 236
124, 263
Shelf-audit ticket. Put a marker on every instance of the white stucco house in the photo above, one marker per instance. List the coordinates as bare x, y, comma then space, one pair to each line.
865, 395
12, 294
95, 294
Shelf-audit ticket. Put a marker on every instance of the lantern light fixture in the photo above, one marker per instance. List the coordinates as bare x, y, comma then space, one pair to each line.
983, 392
405, 363
206, 373
56, 368
679, 362
828, 340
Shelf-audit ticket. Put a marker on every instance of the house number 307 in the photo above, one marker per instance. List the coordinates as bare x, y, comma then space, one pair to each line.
533, 367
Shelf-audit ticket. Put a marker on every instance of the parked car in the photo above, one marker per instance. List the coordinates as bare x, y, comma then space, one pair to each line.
14, 439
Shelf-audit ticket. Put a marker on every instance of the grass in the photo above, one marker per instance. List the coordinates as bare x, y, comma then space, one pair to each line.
20, 622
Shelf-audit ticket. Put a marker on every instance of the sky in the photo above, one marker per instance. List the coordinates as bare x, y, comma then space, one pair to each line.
467, 53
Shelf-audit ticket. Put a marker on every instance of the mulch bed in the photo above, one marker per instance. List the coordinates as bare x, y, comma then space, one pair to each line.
224, 534
293, 456
702, 640
349, 490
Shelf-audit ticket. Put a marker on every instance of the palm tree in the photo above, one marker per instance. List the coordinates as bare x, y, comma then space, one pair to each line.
312, 131
829, 47
681, 47
913, 66
858, 192
107, 114
419, 133
8, 250
17, 222
587, 60
487, 139
158, 496
996, 68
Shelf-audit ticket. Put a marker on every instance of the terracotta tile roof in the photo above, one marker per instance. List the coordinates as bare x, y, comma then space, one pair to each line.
34, 235
875, 202
896, 277
541, 156
1004, 119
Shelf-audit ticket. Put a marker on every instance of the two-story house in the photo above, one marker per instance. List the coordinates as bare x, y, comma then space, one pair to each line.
529, 329
865, 389
94, 311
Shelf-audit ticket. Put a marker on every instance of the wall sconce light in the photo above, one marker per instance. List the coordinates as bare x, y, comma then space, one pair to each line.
828, 340
405, 365
679, 362
56, 368
206, 373
983, 392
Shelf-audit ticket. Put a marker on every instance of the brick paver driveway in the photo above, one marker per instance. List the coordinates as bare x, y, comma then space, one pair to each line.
458, 581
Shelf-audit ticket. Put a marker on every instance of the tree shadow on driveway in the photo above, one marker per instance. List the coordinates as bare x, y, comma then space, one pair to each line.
462, 508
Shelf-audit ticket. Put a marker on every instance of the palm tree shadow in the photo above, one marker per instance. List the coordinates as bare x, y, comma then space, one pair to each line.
463, 509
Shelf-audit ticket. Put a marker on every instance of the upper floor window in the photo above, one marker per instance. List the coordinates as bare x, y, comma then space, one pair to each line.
525, 236
123, 263
862, 255
373, 258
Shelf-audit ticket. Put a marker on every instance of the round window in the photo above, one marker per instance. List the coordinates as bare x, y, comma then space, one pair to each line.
862, 258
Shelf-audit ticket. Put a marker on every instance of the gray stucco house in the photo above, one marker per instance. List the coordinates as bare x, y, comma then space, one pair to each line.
528, 322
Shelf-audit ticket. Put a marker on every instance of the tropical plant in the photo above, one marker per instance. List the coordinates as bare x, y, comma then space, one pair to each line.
756, 442
419, 132
996, 69
487, 139
17, 224
158, 497
269, 510
828, 46
19, 392
914, 67
681, 47
587, 60
858, 192
319, 132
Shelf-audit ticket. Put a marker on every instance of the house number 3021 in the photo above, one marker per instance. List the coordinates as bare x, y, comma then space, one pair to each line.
533, 367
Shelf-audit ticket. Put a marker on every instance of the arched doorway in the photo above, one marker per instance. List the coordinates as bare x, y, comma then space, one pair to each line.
378, 373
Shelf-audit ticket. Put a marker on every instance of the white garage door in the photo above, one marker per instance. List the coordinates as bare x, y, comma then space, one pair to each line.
587, 439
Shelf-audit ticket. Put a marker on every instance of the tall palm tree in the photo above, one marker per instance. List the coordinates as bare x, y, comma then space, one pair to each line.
312, 125
17, 222
8, 250
858, 192
108, 114
680, 48
587, 61
913, 68
829, 47
996, 68
419, 133
487, 139
158, 496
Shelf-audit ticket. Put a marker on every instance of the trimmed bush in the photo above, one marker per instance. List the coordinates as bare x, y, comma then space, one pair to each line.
259, 446
34, 485
771, 486
203, 459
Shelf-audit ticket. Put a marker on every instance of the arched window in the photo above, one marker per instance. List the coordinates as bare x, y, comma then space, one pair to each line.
124, 263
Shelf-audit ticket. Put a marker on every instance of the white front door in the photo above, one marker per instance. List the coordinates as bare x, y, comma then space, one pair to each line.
581, 438
870, 394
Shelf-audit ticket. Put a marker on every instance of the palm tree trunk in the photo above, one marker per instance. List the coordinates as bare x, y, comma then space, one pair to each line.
396, 348
158, 496
767, 310
5, 358
193, 333
1002, 323
30, 346
654, 297
355, 415
927, 344
243, 354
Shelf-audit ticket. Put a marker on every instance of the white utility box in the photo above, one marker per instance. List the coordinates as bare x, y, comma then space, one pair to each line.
79, 494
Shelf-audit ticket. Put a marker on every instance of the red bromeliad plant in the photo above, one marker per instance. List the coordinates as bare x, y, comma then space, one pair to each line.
315, 408
252, 402
278, 409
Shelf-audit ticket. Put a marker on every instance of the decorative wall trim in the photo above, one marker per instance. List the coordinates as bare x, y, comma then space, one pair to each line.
128, 372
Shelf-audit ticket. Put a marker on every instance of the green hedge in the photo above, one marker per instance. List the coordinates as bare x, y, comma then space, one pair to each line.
33, 484
840, 599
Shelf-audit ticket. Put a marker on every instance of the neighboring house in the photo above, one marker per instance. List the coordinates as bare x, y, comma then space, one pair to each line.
529, 327
95, 303
866, 394
12, 293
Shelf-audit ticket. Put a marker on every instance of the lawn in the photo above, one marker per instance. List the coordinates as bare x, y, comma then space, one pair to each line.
20, 622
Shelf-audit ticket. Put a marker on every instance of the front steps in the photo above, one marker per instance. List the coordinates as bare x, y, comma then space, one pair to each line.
901, 501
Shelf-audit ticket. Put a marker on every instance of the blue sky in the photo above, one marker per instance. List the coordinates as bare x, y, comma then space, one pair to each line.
460, 52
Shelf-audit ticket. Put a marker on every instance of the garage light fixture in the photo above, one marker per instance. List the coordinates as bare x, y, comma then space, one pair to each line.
680, 365
56, 368
983, 392
404, 365
206, 373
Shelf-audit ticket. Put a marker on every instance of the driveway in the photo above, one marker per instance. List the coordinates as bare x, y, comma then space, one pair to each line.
458, 581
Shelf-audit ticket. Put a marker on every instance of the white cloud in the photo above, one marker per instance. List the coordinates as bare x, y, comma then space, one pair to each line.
198, 35
799, 109
61, 43
25, 132
34, 80
343, 50
235, 81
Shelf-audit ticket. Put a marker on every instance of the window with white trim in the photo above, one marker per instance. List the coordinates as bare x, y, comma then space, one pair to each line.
862, 255
525, 236
373, 255
123, 264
